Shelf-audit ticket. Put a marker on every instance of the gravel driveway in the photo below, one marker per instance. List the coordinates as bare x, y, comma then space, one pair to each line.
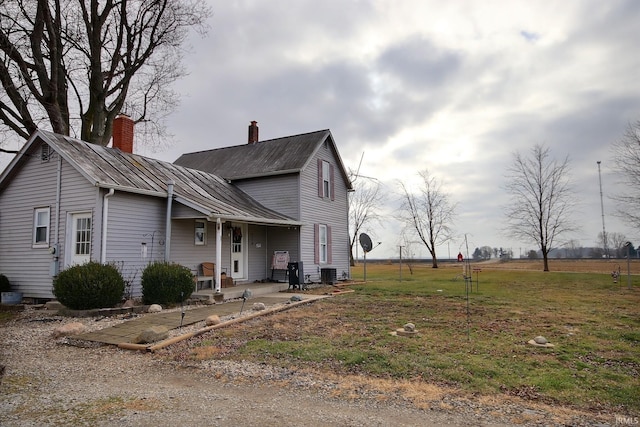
48, 382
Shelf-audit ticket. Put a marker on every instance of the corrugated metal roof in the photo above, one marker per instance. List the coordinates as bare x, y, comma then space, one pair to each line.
205, 192
275, 156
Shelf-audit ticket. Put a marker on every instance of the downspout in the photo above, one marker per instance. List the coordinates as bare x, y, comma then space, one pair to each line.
167, 236
105, 216
218, 252
55, 248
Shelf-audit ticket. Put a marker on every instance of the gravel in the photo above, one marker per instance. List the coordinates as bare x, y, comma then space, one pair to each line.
56, 381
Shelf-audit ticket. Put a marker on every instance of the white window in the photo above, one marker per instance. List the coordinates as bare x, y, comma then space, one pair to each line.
322, 243
326, 179
41, 227
201, 233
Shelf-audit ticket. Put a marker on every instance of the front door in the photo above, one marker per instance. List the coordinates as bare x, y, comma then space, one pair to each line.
80, 238
238, 251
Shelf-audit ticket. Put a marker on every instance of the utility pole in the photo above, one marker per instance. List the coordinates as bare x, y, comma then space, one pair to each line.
604, 233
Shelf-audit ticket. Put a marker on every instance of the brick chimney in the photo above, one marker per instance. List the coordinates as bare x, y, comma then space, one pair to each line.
253, 132
123, 133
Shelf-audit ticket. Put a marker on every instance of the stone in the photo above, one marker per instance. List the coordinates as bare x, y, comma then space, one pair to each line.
259, 306
53, 305
129, 304
410, 327
540, 340
296, 298
152, 334
73, 328
154, 308
214, 319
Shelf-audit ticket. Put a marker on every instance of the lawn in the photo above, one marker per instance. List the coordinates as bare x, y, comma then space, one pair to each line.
471, 338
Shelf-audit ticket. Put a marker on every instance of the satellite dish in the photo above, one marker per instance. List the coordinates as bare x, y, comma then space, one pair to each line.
365, 242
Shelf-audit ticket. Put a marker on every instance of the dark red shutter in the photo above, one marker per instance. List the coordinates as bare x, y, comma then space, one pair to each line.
332, 185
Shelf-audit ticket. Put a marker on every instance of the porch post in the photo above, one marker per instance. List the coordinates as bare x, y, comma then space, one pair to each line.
218, 252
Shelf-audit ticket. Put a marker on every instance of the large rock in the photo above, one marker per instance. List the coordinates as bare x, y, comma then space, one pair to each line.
152, 334
154, 308
259, 306
73, 328
214, 319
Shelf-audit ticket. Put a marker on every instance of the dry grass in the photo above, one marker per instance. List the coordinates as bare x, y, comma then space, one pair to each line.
473, 346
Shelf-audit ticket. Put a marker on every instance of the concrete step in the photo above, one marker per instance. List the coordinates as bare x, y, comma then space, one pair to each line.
236, 292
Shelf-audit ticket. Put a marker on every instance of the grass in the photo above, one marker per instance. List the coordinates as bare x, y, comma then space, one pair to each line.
476, 344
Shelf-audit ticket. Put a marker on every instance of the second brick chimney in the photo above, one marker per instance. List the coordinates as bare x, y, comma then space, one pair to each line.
253, 132
123, 133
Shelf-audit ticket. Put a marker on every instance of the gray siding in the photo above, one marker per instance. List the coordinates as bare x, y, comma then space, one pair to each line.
317, 210
184, 250
133, 219
33, 186
279, 193
27, 268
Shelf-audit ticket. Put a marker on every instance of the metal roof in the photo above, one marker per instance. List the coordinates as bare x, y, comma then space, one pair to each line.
290, 154
205, 192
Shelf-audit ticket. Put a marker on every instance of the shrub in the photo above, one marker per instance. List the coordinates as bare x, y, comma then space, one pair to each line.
90, 285
166, 283
5, 286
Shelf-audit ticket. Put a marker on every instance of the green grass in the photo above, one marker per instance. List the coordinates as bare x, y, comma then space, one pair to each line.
477, 344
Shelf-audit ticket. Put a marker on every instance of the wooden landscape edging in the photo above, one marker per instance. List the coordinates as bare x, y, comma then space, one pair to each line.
173, 340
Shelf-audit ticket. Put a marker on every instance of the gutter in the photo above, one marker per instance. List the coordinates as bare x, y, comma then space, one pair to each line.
167, 236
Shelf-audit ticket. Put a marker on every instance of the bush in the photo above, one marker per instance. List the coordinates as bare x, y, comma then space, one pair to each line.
5, 286
166, 283
90, 285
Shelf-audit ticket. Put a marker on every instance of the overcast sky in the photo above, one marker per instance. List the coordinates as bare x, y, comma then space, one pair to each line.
455, 87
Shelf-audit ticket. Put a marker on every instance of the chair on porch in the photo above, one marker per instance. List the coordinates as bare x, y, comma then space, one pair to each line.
206, 272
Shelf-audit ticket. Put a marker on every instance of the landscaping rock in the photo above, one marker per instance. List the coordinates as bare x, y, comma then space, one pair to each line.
540, 341
214, 319
129, 304
152, 334
410, 327
296, 298
259, 306
74, 328
154, 308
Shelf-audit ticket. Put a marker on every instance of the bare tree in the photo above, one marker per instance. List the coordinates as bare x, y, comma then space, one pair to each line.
574, 249
626, 153
541, 199
616, 242
428, 214
364, 205
73, 65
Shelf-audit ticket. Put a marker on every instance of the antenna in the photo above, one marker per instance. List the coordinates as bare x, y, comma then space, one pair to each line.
604, 233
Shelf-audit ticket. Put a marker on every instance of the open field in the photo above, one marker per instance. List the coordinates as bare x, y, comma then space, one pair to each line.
473, 343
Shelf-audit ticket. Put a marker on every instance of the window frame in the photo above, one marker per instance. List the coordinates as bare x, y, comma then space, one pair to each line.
326, 179
323, 246
202, 229
36, 243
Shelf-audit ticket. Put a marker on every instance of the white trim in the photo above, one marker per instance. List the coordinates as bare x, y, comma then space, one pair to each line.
42, 243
